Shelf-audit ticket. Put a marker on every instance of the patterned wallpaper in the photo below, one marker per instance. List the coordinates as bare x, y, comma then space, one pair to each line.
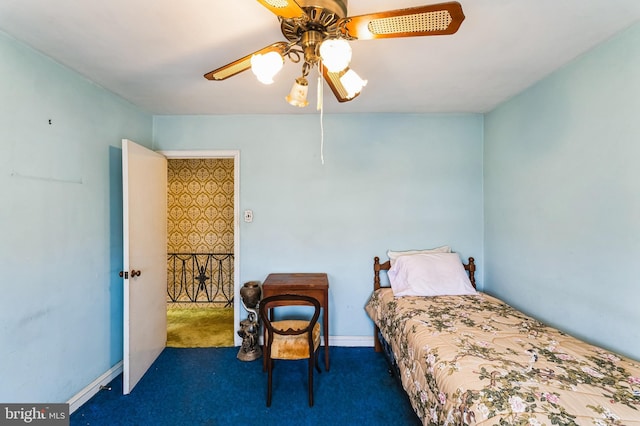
200, 203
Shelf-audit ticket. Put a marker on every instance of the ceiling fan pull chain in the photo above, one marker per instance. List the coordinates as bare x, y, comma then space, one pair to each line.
320, 93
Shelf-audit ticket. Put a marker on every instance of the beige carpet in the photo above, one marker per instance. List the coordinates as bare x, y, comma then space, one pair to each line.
199, 328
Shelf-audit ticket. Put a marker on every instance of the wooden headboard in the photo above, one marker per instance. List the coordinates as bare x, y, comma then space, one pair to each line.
377, 267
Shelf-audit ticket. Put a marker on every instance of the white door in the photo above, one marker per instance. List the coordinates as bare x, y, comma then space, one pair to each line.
144, 178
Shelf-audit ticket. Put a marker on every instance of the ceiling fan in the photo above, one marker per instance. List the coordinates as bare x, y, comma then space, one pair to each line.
318, 32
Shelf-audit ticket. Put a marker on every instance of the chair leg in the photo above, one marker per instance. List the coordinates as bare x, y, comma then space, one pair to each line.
269, 380
317, 362
311, 359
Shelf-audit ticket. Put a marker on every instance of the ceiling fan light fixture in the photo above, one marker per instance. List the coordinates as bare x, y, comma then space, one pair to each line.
298, 95
335, 54
352, 83
266, 66
318, 32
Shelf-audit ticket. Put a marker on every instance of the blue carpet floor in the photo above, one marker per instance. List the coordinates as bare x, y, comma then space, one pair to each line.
210, 386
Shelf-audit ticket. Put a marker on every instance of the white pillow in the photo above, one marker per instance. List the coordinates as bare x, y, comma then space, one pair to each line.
429, 274
393, 255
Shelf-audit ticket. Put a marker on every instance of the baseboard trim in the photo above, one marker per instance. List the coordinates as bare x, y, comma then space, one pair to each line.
351, 341
94, 387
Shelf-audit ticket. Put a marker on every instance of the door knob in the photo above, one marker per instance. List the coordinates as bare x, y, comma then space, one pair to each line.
125, 275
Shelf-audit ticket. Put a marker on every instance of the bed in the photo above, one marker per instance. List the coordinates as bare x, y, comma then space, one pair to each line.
471, 359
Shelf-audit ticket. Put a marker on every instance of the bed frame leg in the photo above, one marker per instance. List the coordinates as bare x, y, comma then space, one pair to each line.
377, 346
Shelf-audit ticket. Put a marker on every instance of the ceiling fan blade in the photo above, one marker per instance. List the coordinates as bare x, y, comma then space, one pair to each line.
286, 9
435, 19
243, 64
333, 80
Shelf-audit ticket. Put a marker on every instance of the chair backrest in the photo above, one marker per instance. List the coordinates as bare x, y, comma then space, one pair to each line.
288, 300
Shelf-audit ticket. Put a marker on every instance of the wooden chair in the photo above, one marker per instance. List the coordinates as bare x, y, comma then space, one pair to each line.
290, 339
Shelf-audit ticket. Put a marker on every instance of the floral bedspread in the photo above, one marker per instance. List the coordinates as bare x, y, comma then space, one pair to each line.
474, 360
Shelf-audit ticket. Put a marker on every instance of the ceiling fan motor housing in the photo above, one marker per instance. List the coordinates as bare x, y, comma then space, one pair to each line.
339, 7
322, 16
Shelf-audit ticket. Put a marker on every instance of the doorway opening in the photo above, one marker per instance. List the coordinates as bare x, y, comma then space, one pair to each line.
201, 250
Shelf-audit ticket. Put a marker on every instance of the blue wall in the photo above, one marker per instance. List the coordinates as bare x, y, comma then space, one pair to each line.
60, 226
562, 197
388, 182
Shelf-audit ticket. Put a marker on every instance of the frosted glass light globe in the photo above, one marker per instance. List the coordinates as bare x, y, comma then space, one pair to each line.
335, 54
266, 66
352, 83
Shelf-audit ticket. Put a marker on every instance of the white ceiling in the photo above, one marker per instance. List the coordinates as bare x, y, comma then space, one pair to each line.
154, 52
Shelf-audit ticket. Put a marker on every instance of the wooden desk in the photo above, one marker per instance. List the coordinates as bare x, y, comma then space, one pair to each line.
306, 284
